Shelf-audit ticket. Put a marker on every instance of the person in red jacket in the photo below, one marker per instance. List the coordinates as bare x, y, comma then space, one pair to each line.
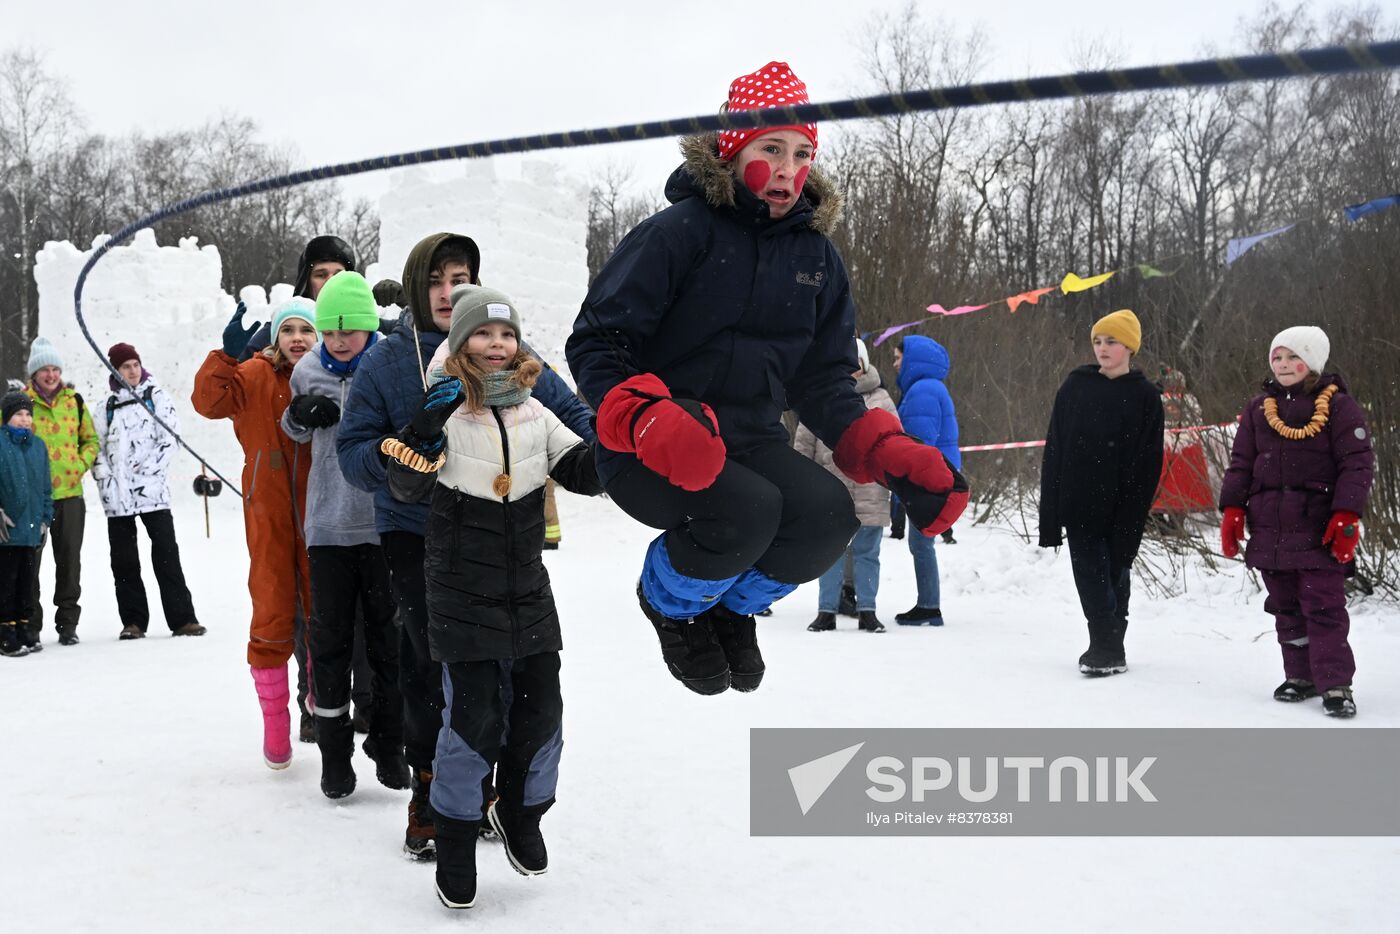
1300, 472
275, 468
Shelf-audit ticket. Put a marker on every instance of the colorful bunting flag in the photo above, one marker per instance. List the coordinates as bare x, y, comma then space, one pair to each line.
1355, 212
1028, 298
1073, 283
1149, 272
1242, 245
887, 333
937, 309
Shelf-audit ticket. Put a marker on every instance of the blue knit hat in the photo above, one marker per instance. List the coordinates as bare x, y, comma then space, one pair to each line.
299, 307
42, 354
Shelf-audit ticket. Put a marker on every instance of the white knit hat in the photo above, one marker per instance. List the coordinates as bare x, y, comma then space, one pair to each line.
1307, 342
862, 354
42, 354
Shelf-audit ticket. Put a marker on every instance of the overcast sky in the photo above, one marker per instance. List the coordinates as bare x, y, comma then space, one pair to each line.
347, 80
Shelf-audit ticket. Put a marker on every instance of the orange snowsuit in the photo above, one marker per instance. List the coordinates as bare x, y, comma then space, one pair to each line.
275, 469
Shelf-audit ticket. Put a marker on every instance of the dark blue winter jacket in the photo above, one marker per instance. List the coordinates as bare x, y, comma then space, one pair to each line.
925, 408
26, 490
750, 315
385, 395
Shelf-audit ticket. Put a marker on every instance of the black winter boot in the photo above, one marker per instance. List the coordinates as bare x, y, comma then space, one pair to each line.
390, 767
420, 840
825, 622
10, 644
690, 649
336, 738
846, 603
456, 861
306, 729
1338, 702
1294, 690
1105, 655
868, 622
29, 635
520, 834
738, 637
920, 616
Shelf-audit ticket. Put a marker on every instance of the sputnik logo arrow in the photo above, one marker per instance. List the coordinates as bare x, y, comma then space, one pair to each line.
810, 780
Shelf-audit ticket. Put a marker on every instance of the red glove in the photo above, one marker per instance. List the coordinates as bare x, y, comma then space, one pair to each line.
1343, 534
677, 438
875, 449
1232, 531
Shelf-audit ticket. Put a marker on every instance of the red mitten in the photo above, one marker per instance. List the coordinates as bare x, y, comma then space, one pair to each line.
875, 449
1343, 534
1232, 531
677, 438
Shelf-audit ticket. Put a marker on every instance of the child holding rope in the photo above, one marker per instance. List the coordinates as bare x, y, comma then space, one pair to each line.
1300, 473
484, 446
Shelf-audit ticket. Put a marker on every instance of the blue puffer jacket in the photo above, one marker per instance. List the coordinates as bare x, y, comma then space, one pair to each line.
750, 315
925, 407
385, 395
26, 492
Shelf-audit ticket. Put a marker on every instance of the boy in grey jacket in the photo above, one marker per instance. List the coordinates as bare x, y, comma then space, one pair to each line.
347, 565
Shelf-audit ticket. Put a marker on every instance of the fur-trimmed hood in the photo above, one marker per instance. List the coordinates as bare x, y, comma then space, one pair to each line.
704, 173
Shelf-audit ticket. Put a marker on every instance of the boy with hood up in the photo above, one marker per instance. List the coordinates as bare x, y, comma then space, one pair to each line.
388, 391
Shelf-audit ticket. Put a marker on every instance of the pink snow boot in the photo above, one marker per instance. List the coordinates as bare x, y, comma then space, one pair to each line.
274, 698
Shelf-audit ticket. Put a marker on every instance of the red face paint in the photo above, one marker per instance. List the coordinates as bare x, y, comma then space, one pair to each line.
756, 175
799, 179
1302, 368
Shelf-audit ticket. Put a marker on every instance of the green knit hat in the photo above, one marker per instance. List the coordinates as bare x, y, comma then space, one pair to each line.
346, 303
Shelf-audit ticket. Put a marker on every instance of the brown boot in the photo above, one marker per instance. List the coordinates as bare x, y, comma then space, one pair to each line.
420, 840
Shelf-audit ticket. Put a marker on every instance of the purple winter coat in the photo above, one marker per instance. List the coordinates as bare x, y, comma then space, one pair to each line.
1291, 488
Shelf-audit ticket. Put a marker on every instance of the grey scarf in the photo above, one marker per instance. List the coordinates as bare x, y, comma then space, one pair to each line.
500, 391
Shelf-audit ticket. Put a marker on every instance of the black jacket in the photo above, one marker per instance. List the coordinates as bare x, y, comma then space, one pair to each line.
1103, 458
488, 590
747, 314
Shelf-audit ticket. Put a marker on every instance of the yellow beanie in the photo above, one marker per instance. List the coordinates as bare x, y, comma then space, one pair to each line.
1123, 326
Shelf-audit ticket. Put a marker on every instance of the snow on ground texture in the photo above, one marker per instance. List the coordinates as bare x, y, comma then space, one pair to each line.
135, 798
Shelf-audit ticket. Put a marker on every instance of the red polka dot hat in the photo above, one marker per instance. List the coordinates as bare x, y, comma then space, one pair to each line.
773, 85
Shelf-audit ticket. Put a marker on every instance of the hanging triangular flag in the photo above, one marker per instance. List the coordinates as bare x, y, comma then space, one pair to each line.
1028, 298
937, 309
1355, 212
1073, 283
887, 333
1151, 272
1242, 245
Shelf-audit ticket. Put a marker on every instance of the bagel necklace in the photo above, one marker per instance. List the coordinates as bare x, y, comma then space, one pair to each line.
1322, 410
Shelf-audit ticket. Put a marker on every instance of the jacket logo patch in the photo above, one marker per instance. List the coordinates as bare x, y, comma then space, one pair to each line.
811, 278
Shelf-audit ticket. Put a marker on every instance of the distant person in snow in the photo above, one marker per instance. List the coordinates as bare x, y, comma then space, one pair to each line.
709, 320
872, 503
133, 478
482, 447
1103, 456
1300, 474
26, 509
253, 394
62, 422
927, 412
349, 578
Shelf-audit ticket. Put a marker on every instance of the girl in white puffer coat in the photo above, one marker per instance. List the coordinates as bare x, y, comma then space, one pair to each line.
132, 473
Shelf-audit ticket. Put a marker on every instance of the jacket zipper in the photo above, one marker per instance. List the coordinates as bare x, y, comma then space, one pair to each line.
257, 462
510, 539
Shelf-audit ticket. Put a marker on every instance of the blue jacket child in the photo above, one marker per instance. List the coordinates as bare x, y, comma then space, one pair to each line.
26, 510
925, 407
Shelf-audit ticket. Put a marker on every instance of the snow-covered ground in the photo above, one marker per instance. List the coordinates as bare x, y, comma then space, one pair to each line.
133, 796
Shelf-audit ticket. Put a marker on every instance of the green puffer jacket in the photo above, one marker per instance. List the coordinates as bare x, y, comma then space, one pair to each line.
66, 428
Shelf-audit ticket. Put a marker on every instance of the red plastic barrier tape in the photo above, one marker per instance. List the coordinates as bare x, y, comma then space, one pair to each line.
1041, 443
